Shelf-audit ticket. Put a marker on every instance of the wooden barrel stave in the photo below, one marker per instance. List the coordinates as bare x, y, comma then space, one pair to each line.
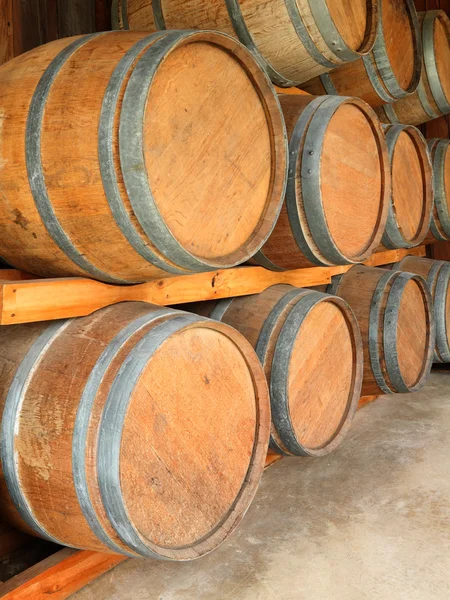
291, 330
333, 213
432, 97
46, 231
385, 74
294, 40
412, 198
394, 312
66, 462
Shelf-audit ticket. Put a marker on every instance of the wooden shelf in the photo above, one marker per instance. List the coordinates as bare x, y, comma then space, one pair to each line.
25, 300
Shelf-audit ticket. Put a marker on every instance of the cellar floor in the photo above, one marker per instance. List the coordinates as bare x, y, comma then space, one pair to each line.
371, 521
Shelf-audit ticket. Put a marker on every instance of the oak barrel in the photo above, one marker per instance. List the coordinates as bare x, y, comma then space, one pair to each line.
294, 40
125, 156
432, 97
391, 71
412, 197
338, 185
138, 430
437, 275
394, 311
310, 346
440, 220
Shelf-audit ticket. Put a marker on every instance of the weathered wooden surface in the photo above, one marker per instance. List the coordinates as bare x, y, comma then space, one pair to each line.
437, 275
79, 217
279, 33
338, 190
412, 198
440, 221
391, 71
432, 98
136, 375
310, 346
394, 311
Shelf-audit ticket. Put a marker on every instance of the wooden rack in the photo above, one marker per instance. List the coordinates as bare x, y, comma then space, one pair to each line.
25, 300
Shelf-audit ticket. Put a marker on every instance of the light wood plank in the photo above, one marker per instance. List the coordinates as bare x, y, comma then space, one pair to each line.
59, 576
47, 299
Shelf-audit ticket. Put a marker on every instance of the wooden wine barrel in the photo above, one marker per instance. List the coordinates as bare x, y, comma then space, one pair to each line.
338, 186
432, 97
394, 311
294, 40
412, 197
310, 347
138, 430
437, 275
391, 71
440, 220
125, 156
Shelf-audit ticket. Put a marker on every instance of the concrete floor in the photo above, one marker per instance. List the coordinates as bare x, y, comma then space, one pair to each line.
371, 521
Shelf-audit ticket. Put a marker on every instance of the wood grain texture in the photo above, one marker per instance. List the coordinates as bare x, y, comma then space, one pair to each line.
400, 359
437, 275
105, 233
43, 300
311, 389
422, 106
273, 34
408, 187
400, 49
440, 220
412, 198
348, 184
216, 390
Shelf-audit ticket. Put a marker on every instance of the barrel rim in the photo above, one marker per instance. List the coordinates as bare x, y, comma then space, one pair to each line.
305, 157
119, 15
13, 405
334, 38
394, 236
106, 154
305, 37
83, 416
35, 170
431, 68
441, 214
391, 311
132, 154
439, 283
262, 347
110, 432
279, 381
245, 37
394, 383
381, 58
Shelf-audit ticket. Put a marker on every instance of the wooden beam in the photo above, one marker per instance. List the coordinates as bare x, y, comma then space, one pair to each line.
48, 299
59, 576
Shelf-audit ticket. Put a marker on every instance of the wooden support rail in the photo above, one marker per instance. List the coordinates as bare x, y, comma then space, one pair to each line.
29, 300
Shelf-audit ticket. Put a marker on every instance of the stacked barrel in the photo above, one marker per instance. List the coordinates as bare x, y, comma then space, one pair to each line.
165, 150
